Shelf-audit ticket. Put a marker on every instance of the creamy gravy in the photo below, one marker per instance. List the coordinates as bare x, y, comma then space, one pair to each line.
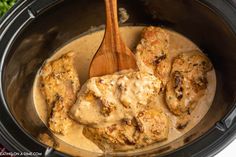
85, 47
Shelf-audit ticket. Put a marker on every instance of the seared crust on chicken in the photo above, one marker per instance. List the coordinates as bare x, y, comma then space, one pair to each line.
152, 53
188, 82
113, 97
59, 85
119, 110
147, 127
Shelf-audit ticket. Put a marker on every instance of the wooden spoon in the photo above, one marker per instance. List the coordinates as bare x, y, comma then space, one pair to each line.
113, 55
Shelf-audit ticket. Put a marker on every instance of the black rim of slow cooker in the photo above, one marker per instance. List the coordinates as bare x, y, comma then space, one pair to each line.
25, 11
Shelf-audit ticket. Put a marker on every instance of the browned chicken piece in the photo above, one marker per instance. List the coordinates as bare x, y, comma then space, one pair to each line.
153, 125
147, 127
109, 98
59, 85
60, 122
152, 53
188, 82
120, 110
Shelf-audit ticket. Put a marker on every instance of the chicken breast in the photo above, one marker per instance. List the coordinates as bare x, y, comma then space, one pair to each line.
188, 82
117, 113
147, 127
59, 84
152, 53
110, 98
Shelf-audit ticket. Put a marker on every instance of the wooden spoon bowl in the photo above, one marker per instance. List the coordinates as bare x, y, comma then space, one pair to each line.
113, 55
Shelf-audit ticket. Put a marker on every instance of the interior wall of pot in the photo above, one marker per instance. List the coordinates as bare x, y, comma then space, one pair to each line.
71, 18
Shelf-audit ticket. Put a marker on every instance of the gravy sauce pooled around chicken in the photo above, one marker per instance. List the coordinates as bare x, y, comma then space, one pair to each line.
169, 94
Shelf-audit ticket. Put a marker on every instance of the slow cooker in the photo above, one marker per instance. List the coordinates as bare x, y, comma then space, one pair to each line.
34, 29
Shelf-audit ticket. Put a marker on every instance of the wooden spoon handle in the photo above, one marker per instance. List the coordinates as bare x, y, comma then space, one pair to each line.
112, 25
